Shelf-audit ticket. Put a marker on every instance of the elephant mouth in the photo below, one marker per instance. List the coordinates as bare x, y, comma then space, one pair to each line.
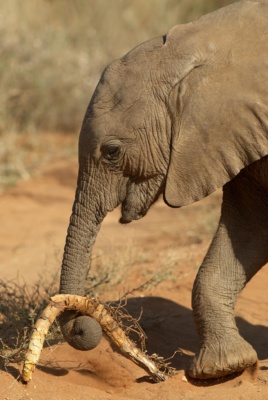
127, 217
140, 195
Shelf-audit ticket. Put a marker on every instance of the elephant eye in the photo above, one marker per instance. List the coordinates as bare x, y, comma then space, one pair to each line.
111, 151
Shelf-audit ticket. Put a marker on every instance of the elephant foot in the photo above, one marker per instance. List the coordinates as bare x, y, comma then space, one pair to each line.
222, 357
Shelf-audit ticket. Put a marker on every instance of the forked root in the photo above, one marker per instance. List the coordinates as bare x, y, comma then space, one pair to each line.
156, 367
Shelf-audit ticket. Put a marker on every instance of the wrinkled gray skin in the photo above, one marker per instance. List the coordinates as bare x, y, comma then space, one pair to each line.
183, 115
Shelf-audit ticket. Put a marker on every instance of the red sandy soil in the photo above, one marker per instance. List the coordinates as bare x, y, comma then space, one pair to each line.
34, 219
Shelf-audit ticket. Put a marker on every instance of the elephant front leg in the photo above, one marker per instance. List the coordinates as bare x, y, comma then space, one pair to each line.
217, 285
237, 252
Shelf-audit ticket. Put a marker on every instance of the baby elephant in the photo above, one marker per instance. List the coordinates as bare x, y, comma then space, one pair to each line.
180, 116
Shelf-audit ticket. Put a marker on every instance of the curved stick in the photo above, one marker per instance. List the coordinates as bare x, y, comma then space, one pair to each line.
92, 307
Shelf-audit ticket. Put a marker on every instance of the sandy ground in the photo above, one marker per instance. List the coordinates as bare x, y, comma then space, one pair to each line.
167, 244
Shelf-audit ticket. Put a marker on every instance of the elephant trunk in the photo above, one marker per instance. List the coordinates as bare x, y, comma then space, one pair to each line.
84, 225
89, 209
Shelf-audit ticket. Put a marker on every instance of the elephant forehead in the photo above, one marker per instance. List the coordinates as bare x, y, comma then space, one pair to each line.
120, 90
117, 122
124, 104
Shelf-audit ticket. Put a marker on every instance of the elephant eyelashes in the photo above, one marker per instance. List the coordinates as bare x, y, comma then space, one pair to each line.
111, 152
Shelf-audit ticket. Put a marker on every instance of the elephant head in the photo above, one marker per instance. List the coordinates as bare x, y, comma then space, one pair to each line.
179, 115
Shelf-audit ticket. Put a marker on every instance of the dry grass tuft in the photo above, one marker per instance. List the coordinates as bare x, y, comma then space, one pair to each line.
20, 305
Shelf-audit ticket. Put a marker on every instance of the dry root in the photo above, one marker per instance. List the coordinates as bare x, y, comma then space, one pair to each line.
155, 366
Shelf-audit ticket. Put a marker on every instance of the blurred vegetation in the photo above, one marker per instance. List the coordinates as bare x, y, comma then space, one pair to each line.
53, 51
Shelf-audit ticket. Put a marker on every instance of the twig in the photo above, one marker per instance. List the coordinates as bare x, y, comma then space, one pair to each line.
155, 366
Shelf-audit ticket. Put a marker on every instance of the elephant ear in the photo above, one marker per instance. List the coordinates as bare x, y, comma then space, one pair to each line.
219, 124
